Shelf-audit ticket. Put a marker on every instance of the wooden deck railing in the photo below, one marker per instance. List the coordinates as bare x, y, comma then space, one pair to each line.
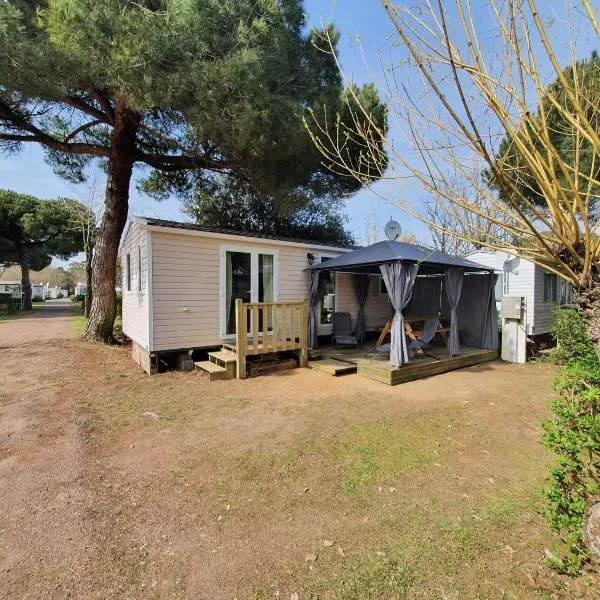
266, 327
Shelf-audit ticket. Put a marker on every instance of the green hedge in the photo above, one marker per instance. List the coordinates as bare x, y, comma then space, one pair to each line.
573, 435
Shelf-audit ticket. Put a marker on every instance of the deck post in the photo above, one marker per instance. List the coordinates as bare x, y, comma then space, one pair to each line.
303, 333
240, 338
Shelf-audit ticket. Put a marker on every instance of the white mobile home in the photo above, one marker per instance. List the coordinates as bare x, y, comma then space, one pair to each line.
80, 289
542, 290
11, 287
180, 282
37, 292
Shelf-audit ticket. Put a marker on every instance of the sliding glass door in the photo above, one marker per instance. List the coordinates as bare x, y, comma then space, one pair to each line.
238, 283
249, 275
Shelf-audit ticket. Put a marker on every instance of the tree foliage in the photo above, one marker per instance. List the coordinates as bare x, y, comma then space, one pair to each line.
576, 151
185, 88
33, 231
304, 212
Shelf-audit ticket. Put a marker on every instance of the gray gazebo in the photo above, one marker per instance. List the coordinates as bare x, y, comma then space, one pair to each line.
421, 277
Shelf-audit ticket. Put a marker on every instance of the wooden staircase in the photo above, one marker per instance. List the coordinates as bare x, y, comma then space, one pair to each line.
221, 364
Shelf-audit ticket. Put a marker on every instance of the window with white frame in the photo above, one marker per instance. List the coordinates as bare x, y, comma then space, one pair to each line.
565, 296
499, 289
550, 287
506, 279
139, 269
327, 307
128, 272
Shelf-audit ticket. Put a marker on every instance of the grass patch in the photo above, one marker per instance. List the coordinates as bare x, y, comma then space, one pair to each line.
376, 452
365, 577
79, 322
363, 457
453, 547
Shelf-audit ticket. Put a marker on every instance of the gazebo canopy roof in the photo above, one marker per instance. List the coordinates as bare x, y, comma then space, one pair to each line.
368, 259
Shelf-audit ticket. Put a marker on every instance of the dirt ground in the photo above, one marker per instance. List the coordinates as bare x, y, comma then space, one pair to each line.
115, 484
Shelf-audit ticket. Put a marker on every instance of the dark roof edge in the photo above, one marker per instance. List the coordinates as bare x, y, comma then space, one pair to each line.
152, 222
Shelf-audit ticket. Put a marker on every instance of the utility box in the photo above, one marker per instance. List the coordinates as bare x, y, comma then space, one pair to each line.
514, 328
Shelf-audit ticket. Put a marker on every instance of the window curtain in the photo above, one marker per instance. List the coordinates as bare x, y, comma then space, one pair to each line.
399, 279
361, 282
489, 331
317, 293
228, 291
454, 281
266, 274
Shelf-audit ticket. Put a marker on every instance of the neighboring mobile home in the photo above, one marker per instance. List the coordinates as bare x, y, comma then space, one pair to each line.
542, 290
11, 287
37, 292
180, 282
80, 289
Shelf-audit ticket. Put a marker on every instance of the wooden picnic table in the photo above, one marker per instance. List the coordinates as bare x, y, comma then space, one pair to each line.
412, 330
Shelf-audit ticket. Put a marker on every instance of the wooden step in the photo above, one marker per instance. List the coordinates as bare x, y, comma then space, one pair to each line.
214, 371
332, 366
222, 356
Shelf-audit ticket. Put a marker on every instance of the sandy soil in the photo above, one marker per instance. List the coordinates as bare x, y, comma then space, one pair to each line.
114, 484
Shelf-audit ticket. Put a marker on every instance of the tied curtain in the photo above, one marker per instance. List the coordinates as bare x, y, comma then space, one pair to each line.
454, 281
317, 293
361, 288
399, 280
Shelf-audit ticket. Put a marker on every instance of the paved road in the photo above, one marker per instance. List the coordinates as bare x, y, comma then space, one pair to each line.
49, 323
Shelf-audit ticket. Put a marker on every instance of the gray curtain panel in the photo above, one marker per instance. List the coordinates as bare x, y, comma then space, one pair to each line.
477, 311
454, 281
361, 284
425, 300
399, 279
317, 293
489, 331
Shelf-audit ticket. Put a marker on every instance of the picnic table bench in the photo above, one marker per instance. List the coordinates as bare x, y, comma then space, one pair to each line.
413, 326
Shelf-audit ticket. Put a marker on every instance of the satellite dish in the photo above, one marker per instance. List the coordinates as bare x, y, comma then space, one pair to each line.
392, 230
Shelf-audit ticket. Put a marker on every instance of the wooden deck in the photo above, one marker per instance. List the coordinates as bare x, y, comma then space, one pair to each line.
374, 366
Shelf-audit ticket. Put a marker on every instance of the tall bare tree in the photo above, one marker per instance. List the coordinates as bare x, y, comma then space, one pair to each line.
464, 78
458, 231
87, 222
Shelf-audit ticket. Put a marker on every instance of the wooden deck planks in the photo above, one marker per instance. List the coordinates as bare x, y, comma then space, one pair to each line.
332, 366
425, 368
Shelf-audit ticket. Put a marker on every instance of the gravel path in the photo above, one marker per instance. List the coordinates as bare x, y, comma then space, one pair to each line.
49, 323
42, 494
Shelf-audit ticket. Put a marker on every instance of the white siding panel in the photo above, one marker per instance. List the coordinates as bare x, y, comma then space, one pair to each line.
521, 280
135, 302
377, 309
187, 288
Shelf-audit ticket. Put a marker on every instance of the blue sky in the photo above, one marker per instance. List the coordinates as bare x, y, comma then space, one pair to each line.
356, 19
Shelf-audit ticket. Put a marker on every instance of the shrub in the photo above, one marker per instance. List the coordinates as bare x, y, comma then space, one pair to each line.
119, 305
77, 298
572, 341
37, 298
573, 435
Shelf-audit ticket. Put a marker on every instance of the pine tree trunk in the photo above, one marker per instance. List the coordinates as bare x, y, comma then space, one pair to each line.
104, 262
26, 286
587, 304
88, 281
